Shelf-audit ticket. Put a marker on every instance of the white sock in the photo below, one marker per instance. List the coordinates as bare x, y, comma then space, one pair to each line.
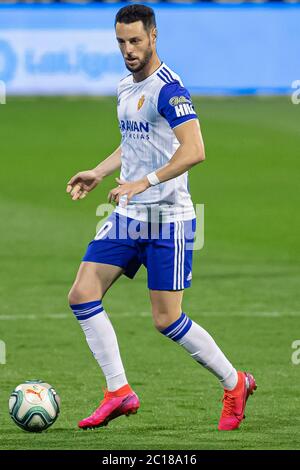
203, 349
102, 340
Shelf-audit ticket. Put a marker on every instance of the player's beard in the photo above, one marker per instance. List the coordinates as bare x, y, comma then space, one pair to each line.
142, 63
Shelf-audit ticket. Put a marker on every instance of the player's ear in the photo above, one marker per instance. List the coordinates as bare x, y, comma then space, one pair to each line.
154, 34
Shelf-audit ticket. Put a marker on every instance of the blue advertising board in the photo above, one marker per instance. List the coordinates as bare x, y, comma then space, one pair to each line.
216, 49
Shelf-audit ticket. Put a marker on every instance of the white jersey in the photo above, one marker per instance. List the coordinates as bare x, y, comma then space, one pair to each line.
147, 113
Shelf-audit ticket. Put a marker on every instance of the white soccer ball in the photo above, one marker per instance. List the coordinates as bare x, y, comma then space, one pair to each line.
34, 405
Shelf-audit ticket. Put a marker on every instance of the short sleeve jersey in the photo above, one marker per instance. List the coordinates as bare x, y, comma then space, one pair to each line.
148, 113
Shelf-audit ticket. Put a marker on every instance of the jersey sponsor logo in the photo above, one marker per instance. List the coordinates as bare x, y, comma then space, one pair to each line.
175, 100
134, 126
141, 102
184, 109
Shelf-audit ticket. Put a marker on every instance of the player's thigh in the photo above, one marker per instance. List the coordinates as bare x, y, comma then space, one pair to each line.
92, 281
166, 307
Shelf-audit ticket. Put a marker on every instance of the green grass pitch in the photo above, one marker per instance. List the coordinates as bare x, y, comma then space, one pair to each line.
245, 280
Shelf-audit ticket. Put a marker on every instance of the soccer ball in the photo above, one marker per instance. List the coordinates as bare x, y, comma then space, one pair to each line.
34, 405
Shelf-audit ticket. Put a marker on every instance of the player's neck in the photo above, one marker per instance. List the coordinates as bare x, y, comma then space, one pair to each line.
148, 70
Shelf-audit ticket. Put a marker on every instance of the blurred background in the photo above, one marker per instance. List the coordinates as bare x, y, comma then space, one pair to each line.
60, 64
49, 47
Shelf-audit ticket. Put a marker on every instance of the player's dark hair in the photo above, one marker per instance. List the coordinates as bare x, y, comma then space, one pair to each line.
135, 12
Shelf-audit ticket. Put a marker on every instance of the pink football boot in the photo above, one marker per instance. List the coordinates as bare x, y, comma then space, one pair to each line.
234, 402
121, 402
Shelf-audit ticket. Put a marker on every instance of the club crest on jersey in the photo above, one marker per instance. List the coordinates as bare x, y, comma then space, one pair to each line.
141, 102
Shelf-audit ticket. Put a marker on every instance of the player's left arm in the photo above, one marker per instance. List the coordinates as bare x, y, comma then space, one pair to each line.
189, 153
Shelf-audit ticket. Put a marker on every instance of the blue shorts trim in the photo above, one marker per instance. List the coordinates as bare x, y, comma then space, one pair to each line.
165, 249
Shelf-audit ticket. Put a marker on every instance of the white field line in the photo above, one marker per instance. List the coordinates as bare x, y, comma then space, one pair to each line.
65, 316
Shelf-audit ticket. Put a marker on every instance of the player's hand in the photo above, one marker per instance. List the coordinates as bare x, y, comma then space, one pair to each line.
82, 183
126, 190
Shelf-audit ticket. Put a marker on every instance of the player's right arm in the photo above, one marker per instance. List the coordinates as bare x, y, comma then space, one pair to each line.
83, 182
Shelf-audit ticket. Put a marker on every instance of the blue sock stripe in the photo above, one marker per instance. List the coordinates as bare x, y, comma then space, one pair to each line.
86, 314
174, 325
183, 331
87, 305
179, 328
87, 309
90, 310
85, 317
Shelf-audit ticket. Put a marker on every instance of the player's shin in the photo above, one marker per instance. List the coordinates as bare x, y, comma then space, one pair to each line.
102, 340
203, 349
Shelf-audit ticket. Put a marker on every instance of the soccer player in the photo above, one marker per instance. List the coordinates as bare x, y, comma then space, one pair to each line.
161, 141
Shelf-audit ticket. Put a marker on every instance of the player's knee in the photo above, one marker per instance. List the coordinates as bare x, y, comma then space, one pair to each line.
85, 290
161, 320
77, 295
72, 296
